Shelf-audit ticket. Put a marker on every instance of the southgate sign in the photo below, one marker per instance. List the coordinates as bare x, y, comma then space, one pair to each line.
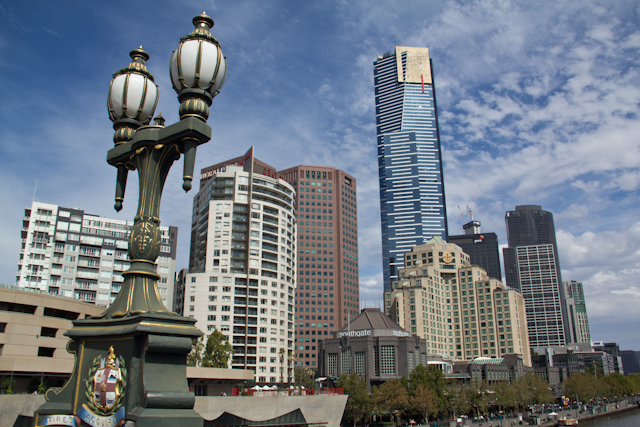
378, 332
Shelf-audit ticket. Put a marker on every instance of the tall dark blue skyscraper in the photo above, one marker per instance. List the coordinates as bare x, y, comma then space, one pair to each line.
412, 200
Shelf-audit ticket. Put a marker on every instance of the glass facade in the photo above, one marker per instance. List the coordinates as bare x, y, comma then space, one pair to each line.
412, 199
532, 266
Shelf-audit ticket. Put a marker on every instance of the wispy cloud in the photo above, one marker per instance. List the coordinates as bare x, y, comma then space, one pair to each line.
538, 103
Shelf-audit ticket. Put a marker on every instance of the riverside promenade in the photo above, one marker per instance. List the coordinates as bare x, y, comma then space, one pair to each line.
581, 412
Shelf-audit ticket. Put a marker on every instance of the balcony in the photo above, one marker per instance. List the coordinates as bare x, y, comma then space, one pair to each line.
269, 257
270, 211
85, 296
90, 252
270, 247
269, 238
269, 229
240, 217
270, 220
83, 262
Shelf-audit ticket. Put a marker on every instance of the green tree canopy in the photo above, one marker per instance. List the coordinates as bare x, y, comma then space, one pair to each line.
585, 386
393, 397
217, 352
504, 395
360, 405
478, 396
531, 389
424, 402
195, 357
432, 378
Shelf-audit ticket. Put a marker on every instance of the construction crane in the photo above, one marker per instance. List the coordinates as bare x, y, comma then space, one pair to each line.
473, 205
461, 214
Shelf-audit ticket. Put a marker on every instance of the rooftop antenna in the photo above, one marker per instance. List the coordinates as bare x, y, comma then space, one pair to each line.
34, 192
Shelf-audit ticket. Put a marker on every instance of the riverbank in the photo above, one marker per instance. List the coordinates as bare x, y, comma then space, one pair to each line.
582, 413
623, 406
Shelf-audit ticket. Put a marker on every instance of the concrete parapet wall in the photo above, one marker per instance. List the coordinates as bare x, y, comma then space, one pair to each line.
12, 405
316, 409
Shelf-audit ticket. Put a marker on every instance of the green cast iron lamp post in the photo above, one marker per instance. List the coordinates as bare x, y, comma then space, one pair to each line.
198, 71
130, 362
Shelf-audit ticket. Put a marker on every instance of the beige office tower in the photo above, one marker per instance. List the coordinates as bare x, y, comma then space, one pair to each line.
242, 271
455, 306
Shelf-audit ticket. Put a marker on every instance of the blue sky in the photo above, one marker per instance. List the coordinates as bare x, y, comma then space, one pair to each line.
538, 104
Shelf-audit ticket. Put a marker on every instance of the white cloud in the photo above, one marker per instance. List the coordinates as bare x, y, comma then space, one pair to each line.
538, 103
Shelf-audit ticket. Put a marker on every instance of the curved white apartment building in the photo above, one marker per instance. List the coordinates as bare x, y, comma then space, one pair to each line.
242, 272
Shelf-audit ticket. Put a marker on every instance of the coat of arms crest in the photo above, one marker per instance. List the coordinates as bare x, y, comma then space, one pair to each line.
105, 384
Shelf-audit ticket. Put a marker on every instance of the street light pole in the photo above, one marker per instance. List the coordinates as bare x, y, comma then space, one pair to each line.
130, 361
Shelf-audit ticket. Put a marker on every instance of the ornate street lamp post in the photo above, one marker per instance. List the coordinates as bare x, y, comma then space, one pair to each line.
131, 360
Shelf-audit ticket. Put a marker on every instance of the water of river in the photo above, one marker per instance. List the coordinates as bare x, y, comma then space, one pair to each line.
625, 419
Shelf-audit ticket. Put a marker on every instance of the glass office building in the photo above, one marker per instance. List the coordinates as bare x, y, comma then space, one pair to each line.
412, 199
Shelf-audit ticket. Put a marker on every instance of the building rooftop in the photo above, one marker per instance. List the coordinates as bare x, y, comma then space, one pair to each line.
372, 318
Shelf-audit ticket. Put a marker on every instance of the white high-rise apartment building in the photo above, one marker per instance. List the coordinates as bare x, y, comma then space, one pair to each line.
242, 271
540, 286
70, 253
576, 312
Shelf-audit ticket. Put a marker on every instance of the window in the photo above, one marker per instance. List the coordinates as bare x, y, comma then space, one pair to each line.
387, 360
46, 351
47, 332
345, 366
360, 363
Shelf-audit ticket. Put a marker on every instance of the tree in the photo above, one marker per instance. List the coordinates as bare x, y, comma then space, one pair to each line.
393, 397
424, 402
617, 384
8, 385
505, 394
460, 398
478, 395
217, 352
530, 389
595, 369
582, 385
634, 379
431, 378
195, 357
360, 405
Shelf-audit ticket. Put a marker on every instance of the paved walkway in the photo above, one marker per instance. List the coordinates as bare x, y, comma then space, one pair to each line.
545, 419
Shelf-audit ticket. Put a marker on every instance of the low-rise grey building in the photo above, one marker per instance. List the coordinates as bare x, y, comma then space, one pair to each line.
510, 367
614, 350
375, 347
